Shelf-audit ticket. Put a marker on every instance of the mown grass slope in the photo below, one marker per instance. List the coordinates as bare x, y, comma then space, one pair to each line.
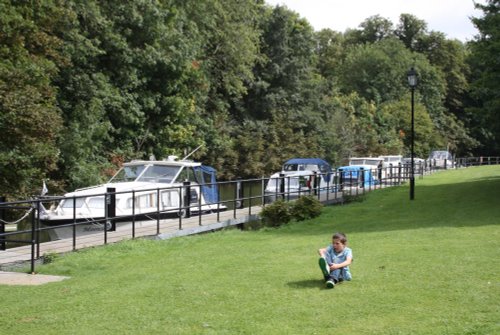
431, 266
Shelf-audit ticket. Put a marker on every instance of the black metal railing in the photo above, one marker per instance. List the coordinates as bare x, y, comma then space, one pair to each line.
237, 195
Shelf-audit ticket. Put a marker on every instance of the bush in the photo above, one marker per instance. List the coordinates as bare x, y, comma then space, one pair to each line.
306, 207
276, 214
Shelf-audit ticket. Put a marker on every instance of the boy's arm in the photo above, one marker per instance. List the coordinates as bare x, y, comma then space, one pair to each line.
347, 262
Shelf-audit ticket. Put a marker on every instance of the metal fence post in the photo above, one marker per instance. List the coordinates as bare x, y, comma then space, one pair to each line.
239, 194
33, 242
111, 204
282, 186
187, 198
2, 225
341, 179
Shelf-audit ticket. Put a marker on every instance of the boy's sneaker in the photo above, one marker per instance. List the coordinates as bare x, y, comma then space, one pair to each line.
324, 267
330, 283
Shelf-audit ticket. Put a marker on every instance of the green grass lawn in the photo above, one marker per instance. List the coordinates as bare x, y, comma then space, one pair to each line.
431, 266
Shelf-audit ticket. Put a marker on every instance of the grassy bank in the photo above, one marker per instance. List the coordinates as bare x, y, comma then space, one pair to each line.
431, 266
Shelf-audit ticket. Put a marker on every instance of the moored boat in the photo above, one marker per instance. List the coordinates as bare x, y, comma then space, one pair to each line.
300, 176
140, 190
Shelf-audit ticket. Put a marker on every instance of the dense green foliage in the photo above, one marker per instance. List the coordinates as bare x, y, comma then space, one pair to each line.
429, 266
306, 207
276, 214
281, 212
483, 113
87, 85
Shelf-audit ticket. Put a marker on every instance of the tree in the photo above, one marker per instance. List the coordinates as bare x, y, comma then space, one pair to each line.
330, 50
284, 90
229, 48
410, 29
128, 90
29, 118
485, 48
374, 29
394, 126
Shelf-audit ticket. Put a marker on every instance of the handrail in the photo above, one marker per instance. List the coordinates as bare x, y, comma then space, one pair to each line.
247, 194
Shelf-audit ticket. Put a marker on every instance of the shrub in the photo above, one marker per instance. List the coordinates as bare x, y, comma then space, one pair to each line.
276, 214
306, 207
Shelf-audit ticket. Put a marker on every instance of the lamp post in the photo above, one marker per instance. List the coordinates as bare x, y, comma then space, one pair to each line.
412, 82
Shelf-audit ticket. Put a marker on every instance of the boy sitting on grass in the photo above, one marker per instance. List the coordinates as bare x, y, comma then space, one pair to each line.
335, 260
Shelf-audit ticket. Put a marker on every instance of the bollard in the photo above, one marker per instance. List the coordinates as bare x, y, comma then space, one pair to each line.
341, 180
239, 194
282, 185
362, 178
187, 198
110, 209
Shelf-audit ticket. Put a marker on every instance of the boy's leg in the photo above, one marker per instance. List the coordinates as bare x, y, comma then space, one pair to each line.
330, 282
341, 275
325, 269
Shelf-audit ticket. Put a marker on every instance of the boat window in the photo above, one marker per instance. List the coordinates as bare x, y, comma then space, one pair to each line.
293, 167
357, 162
127, 173
143, 201
96, 202
300, 167
170, 199
187, 174
68, 203
324, 168
313, 167
160, 174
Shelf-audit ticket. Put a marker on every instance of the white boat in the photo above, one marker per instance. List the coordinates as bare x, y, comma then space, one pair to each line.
391, 160
142, 190
383, 167
300, 176
441, 159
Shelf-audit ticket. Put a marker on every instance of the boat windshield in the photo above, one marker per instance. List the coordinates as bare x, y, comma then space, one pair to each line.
147, 173
160, 174
440, 155
364, 161
127, 173
300, 167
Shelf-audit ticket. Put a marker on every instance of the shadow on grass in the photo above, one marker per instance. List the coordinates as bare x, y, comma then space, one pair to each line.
305, 284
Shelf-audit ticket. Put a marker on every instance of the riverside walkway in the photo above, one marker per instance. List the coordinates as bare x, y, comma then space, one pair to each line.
161, 229
168, 228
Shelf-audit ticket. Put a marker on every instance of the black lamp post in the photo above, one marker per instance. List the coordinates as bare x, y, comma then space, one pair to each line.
412, 82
